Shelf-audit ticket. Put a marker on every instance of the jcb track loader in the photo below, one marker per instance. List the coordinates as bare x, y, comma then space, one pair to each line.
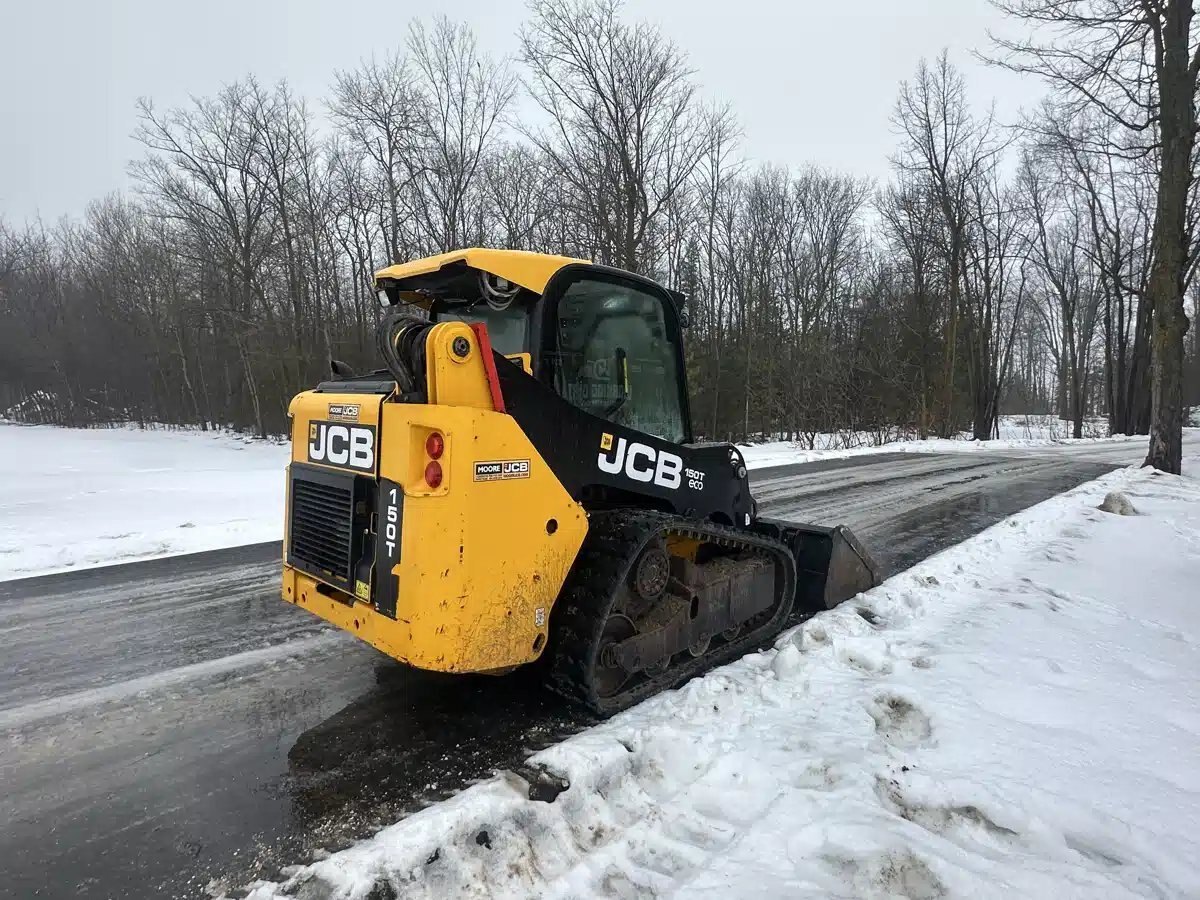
520, 482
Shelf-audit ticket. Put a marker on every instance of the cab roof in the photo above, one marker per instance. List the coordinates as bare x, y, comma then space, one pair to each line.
436, 274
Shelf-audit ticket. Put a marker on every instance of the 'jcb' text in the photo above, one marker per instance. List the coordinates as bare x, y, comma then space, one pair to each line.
642, 462
348, 446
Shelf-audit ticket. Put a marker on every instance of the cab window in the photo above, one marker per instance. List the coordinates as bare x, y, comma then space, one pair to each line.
508, 328
617, 358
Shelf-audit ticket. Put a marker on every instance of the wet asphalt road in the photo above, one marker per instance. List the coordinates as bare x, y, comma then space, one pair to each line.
171, 726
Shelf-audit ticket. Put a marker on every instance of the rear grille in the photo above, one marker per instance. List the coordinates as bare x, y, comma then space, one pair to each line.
321, 532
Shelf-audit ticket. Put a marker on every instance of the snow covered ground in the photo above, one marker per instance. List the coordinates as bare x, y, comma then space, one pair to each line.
1018, 716
73, 498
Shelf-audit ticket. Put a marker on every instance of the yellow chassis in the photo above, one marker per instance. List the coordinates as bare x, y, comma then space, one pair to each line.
481, 560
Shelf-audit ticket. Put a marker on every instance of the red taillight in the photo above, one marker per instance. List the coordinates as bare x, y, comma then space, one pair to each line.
433, 474
435, 445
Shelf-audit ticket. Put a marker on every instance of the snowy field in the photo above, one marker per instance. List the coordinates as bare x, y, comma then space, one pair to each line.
77, 498
1019, 716
74, 498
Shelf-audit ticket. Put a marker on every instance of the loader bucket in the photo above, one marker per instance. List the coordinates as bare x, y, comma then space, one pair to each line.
831, 566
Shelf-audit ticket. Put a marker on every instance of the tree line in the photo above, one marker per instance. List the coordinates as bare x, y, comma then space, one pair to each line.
1042, 268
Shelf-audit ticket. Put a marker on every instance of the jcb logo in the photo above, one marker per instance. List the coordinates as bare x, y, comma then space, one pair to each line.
349, 446
640, 462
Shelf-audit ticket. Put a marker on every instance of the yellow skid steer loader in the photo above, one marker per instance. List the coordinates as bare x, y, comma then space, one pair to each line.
521, 481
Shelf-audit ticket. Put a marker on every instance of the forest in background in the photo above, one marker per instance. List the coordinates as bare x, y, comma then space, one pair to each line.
999, 269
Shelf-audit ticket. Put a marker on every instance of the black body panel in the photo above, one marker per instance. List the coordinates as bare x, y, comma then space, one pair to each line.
360, 384
389, 519
712, 477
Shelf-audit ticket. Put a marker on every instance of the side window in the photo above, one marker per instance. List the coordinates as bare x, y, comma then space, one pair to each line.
616, 358
508, 328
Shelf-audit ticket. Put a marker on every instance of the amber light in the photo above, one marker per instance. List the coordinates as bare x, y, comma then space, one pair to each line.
435, 445
433, 474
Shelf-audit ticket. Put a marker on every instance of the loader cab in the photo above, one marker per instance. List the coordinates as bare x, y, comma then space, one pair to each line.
607, 341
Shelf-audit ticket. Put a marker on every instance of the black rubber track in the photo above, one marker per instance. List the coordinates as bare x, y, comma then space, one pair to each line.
613, 543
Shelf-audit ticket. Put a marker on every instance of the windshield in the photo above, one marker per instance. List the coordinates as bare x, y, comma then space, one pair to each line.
616, 357
508, 328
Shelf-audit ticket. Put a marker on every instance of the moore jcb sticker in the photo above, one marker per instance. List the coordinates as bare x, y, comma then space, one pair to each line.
343, 412
501, 469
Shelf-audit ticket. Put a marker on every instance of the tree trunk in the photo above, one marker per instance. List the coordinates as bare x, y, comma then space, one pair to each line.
1137, 388
1061, 403
256, 404
1177, 123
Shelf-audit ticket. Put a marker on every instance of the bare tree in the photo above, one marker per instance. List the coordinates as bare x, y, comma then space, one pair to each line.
378, 109
994, 292
911, 221
206, 174
1068, 301
944, 145
515, 186
1137, 63
1112, 193
463, 94
626, 130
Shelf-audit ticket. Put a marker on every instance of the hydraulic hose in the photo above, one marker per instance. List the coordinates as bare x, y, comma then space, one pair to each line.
401, 342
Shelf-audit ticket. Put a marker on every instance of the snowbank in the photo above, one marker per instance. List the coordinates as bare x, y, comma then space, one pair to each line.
1015, 433
73, 498
1016, 717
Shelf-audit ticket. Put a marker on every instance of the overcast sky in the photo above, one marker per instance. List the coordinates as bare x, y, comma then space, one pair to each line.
810, 80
